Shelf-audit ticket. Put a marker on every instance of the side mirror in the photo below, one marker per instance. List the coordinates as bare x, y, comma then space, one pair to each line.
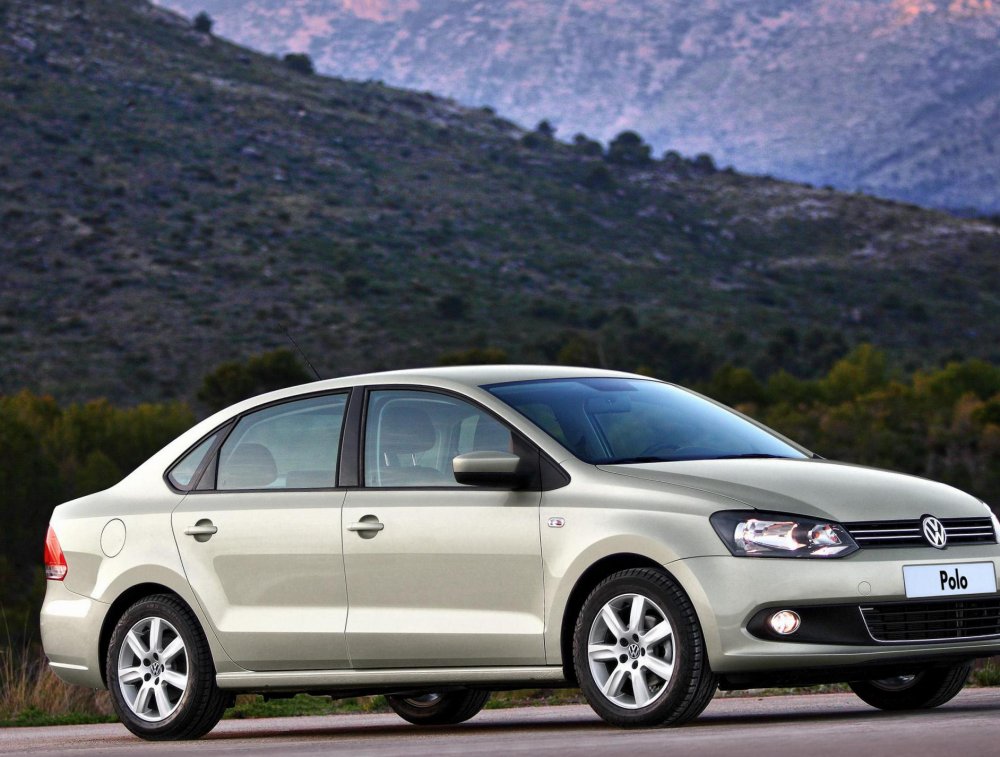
496, 469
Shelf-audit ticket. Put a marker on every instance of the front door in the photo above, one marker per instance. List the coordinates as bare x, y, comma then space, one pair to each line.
438, 574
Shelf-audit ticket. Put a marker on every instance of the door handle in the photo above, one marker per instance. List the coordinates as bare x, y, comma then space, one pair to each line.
365, 526
203, 530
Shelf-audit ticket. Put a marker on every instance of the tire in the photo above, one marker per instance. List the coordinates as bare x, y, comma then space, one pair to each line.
928, 688
160, 672
439, 708
639, 653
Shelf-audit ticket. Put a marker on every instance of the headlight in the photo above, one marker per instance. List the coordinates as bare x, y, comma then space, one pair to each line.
757, 534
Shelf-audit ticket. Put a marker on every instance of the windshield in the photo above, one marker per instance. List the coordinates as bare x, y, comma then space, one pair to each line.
612, 420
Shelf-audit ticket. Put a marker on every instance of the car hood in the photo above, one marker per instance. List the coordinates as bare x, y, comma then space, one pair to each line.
822, 488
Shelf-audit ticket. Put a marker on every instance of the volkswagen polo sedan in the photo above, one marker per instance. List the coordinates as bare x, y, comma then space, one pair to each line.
434, 535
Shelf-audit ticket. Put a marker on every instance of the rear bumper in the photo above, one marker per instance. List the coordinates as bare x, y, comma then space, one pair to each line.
71, 630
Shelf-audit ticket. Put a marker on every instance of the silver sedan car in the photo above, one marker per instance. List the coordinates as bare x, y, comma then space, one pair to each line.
436, 534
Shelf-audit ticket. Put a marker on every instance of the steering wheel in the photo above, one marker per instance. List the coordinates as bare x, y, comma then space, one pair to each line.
679, 453
653, 450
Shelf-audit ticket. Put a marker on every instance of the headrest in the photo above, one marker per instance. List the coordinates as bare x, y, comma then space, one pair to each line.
251, 466
405, 430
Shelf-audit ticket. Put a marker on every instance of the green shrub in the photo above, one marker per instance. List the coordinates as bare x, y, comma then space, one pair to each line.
584, 145
203, 23
300, 63
628, 148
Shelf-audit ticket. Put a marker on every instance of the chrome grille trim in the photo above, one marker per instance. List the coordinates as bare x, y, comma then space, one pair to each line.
907, 533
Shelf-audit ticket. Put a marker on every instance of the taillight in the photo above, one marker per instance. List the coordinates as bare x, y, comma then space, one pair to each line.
55, 561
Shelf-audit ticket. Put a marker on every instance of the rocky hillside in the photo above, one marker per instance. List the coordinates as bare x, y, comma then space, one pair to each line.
896, 97
169, 200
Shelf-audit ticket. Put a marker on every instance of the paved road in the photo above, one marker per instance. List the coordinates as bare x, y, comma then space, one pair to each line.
839, 725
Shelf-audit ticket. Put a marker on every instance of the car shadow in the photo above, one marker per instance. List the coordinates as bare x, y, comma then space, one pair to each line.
402, 728
560, 723
709, 719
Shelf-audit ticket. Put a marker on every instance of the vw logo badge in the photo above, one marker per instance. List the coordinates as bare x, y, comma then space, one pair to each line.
934, 532
633, 651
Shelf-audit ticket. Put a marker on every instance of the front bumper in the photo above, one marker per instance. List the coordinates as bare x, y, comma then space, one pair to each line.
71, 627
731, 594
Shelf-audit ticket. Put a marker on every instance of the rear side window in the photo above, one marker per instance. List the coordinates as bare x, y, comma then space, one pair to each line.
182, 474
289, 446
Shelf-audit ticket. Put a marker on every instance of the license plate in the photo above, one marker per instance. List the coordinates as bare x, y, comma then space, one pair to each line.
949, 580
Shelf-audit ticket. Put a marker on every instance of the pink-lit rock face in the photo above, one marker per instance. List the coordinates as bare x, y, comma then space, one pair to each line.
909, 10
897, 97
381, 11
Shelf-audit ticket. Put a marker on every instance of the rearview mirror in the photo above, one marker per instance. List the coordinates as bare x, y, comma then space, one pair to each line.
498, 469
609, 402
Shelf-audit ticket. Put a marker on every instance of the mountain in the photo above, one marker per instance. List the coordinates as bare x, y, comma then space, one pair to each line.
900, 98
170, 200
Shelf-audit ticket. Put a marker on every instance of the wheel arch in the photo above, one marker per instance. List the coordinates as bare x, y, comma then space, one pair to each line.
585, 584
118, 607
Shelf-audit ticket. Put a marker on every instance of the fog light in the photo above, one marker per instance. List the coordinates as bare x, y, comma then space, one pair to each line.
785, 622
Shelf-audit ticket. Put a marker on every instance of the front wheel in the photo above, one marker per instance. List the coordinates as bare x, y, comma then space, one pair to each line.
439, 708
928, 688
639, 653
160, 672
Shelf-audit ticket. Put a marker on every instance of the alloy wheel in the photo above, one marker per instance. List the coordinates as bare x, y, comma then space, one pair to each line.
153, 669
631, 650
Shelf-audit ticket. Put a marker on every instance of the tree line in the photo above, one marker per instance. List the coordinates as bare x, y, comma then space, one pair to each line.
943, 424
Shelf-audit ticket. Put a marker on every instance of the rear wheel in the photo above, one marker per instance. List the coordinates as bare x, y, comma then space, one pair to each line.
439, 708
160, 672
639, 653
928, 688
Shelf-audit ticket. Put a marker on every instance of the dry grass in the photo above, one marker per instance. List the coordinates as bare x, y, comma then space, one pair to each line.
30, 692
985, 673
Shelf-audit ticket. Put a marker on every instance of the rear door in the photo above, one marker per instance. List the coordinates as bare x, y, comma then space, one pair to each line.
261, 540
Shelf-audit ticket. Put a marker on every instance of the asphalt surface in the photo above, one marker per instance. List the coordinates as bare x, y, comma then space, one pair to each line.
811, 726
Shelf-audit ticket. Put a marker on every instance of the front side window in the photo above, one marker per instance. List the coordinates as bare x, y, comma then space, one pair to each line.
616, 420
411, 437
293, 445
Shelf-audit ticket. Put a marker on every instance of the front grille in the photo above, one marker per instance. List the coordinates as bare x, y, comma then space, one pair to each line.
933, 621
908, 533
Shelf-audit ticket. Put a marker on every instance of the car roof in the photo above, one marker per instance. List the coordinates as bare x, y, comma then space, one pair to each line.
465, 378
472, 375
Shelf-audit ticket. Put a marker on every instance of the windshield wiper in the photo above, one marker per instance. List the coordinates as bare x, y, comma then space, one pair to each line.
643, 459
751, 456
654, 459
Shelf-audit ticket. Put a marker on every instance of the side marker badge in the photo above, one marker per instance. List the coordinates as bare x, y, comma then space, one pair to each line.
557, 522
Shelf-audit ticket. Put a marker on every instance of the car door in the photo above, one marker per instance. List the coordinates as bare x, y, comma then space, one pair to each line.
261, 542
438, 574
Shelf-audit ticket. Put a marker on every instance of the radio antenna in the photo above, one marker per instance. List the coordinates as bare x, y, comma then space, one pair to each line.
299, 349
